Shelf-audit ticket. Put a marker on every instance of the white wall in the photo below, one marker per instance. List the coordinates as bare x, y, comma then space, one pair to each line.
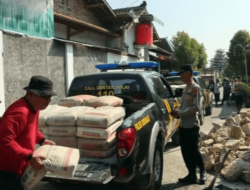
2, 96
69, 65
84, 37
130, 38
112, 58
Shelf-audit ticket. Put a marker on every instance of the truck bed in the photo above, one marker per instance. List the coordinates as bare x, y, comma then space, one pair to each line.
89, 170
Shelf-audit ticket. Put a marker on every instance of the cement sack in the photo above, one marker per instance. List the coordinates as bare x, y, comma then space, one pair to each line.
32, 177
67, 116
104, 101
97, 153
97, 133
64, 141
102, 118
68, 131
44, 130
43, 115
75, 100
97, 144
59, 160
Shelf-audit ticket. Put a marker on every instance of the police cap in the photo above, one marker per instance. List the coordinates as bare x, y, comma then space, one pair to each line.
186, 67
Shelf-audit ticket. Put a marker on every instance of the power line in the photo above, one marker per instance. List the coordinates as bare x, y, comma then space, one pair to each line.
122, 4
133, 3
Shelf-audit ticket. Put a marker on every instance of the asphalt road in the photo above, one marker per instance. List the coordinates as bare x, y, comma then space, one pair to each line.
174, 166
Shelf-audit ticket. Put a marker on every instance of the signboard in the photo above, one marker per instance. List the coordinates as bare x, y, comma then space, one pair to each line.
32, 18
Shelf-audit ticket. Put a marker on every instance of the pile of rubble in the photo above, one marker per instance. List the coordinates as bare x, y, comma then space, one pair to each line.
234, 134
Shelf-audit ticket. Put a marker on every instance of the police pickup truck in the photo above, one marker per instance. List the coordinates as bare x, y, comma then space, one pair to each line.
141, 138
207, 100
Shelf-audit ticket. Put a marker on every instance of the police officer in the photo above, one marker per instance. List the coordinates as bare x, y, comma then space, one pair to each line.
189, 128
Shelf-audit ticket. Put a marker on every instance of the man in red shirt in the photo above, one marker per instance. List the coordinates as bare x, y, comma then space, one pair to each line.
19, 133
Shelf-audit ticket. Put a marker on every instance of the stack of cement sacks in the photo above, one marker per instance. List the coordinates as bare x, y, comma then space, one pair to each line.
85, 122
62, 125
97, 128
43, 116
234, 134
58, 122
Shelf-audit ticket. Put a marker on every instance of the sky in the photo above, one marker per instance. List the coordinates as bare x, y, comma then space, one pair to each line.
211, 22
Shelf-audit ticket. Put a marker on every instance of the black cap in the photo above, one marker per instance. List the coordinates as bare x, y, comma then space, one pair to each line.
186, 67
41, 85
239, 77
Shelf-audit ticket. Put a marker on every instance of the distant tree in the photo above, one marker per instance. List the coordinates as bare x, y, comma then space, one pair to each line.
229, 72
219, 61
188, 51
235, 53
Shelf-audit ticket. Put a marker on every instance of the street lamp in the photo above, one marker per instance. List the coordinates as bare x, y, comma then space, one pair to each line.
244, 53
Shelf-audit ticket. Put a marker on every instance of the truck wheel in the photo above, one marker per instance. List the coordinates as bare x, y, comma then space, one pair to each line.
156, 175
176, 138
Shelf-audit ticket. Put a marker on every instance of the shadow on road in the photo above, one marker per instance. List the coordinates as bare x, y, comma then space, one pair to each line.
171, 147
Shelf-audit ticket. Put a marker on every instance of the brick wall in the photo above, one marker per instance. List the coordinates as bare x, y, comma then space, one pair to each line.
76, 9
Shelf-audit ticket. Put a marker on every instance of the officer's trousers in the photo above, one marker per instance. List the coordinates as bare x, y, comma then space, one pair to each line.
189, 139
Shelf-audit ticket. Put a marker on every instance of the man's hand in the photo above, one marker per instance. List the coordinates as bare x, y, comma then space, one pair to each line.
174, 113
48, 142
36, 162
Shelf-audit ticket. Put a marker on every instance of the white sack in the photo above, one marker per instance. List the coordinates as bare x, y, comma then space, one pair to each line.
31, 177
97, 133
101, 118
97, 144
44, 130
43, 115
66, 116
64, 141
104, 101
75, 100
67, 131
97, 153
59, 160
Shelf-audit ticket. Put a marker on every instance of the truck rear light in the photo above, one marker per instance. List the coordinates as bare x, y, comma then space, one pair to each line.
126, 140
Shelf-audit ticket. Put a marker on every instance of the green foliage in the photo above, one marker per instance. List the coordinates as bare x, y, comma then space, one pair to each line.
229, 72
246, 89
188, 51
236, 59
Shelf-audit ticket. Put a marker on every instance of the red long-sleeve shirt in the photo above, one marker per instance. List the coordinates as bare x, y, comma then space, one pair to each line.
18, 135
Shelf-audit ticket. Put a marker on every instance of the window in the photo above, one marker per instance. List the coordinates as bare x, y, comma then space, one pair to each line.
160, 89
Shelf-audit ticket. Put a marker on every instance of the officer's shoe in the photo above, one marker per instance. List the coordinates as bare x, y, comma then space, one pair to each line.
188, 180
203, 177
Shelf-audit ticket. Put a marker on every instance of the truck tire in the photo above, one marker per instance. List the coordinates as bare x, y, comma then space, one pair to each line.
176, 138
156, 175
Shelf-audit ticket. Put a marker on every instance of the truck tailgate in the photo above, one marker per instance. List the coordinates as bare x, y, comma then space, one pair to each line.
89, 170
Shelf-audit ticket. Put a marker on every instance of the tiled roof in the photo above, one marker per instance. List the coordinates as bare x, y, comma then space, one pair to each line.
102, 10
85, 24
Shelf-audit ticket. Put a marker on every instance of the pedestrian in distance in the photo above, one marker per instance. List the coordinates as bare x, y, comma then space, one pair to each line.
239, 91
211, 85
19, 133
188, 112
226, 92
217, 92
232, 90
